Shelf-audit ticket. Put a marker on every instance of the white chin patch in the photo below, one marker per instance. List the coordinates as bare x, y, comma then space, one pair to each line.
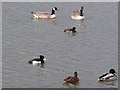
54, 9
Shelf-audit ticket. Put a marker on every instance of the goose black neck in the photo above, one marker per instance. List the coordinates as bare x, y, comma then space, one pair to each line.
81, 12
53, 12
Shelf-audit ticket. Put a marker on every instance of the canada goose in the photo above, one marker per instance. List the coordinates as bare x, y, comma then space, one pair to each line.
78, 15
45, 15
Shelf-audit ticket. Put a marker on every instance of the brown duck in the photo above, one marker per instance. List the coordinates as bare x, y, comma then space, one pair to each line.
72, 79
71, 30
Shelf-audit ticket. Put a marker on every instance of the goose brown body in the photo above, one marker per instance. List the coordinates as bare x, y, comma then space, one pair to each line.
45, 15
78, 15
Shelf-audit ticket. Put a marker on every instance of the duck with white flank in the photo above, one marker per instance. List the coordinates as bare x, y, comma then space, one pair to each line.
37, 61
111, 76
78, 15
74, 80
71, 30
45, 15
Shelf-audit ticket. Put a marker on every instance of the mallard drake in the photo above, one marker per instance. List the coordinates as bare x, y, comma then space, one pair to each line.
71, 30
45, 15
37, 61
78, 15
111, 76
72, 79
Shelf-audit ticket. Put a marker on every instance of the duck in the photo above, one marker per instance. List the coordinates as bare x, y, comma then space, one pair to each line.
74, 80
45, 15
78, 15
111, 76
37, 61
71, 30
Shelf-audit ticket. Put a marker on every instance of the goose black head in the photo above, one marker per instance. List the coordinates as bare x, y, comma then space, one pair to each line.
55, 8
81, 7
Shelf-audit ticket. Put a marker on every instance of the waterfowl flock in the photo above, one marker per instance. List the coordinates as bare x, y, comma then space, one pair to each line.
76, 15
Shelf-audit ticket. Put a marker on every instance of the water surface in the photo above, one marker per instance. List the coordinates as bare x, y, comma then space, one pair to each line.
91, 52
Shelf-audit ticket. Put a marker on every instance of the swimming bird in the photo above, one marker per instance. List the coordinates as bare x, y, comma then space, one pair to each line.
111, 76
71, 30
78, 15
45, 15
72, 79
37, 61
